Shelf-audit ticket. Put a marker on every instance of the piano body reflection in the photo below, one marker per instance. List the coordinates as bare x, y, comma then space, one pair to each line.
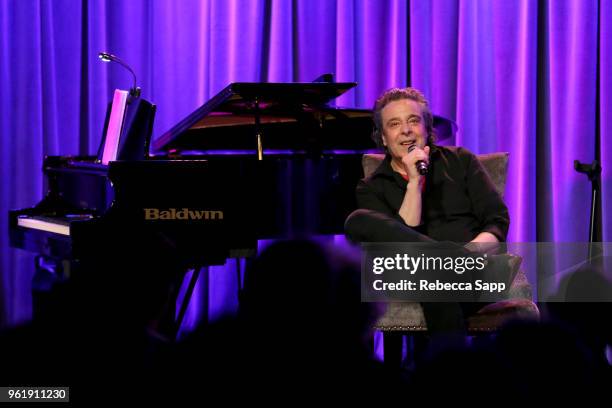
258, 160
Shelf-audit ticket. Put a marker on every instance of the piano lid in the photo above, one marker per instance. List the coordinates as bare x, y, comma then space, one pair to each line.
291, 117
278, 105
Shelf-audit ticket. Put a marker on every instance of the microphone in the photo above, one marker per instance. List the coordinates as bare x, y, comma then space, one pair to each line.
107, 57
421, 166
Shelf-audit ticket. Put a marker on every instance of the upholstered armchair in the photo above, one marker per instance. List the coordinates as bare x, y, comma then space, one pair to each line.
402, 318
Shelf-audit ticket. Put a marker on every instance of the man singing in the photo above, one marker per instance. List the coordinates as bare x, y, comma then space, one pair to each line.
424, 193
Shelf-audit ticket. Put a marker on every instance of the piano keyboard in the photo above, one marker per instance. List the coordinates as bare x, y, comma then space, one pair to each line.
56, 225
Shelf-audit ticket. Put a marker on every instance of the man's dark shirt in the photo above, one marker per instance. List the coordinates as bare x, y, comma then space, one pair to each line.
459, 200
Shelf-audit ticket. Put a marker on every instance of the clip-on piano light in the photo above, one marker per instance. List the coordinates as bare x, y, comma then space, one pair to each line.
129, 122
107, 57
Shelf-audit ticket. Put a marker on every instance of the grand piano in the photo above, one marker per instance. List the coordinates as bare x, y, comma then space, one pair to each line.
274, 158
257, 161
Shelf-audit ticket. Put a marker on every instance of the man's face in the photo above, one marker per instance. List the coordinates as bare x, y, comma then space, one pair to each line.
403, 125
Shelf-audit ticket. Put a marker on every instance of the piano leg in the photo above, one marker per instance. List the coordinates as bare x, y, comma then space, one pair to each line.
184, 302
50, 275
172, 316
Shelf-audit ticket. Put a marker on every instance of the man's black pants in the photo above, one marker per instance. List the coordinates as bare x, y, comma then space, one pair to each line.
372, 226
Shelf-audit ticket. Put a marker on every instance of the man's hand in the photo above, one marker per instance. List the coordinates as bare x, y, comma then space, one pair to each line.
485, 242
409, 161
410, 210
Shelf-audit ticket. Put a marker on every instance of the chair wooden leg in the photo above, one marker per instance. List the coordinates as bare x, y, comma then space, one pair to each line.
392, 346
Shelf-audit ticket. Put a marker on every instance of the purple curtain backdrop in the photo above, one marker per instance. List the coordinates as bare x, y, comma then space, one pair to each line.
517, 76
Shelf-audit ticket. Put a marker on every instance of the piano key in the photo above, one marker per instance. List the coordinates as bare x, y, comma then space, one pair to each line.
55, 226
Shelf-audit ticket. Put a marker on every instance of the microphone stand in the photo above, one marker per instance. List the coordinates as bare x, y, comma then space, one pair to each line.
593, 172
